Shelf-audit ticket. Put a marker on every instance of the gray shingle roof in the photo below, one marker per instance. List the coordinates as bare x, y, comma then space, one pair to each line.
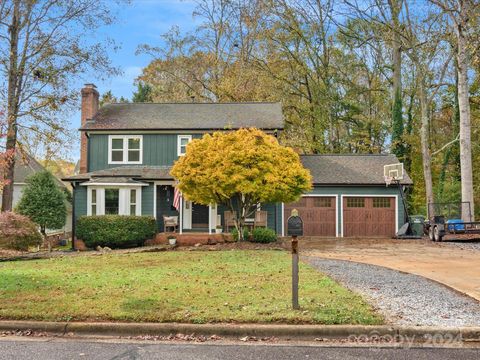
132, 172
26, 165
186, 116
325, 169
349, 169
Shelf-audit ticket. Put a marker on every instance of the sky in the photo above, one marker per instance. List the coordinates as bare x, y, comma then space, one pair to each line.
140, 22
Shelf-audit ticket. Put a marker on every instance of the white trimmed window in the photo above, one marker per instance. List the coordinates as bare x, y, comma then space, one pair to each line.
93, 202
182, 143
125, 149
111, 200
133, 201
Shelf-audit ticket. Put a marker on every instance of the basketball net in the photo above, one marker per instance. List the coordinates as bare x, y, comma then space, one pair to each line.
388, 180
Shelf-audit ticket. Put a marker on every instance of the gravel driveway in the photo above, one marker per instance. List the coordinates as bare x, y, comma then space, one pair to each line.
464, 245
404, 299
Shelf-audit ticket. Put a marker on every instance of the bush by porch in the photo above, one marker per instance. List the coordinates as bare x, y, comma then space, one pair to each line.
197, 287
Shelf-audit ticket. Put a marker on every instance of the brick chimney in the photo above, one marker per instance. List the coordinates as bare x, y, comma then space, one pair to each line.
89, 109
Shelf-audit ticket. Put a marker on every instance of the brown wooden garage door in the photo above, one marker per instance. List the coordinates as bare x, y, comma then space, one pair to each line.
317, 213
369, 216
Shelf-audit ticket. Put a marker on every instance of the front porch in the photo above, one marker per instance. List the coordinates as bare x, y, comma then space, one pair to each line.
190, 218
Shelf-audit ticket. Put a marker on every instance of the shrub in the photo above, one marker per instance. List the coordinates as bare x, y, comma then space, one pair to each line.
246, 234
116, 231
18, 232
43, 201
263, 235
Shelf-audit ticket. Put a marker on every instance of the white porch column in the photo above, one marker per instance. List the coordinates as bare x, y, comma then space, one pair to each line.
180, 217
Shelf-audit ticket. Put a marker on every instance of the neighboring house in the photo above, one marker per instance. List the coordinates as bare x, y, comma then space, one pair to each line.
26, 165
128, 149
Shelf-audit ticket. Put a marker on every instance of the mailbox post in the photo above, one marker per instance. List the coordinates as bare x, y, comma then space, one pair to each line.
294, 229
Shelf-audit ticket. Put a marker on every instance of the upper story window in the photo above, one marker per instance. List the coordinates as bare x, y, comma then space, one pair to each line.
125, 149
182, 142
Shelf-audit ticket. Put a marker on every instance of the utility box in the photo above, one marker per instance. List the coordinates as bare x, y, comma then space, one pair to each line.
417, 224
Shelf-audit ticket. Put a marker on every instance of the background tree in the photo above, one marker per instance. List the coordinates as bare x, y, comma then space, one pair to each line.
353, 77
43, 202
107, 98
239, 170
143, 93
398, 146
5, 156
463, 15
43, 50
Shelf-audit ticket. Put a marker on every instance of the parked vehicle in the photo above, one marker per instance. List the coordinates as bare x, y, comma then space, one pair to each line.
451, 219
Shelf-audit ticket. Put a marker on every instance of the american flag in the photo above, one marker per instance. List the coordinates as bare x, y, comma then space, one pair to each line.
176, 199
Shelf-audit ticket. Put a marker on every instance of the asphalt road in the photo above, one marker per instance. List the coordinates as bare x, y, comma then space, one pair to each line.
81, 349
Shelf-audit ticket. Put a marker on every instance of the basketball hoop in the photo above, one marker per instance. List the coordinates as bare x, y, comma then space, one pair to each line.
392, 173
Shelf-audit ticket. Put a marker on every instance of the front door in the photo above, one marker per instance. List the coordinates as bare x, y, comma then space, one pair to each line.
199, 216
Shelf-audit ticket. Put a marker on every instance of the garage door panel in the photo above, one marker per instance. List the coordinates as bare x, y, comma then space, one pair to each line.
368, 216
317, 213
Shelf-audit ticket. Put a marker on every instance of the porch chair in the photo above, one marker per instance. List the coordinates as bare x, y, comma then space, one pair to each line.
260, 219
229, 219
170, 222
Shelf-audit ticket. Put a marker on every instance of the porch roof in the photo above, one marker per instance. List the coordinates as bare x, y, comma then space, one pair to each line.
125, 181
131, 172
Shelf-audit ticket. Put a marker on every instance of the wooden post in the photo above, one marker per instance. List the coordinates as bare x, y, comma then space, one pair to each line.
295, 304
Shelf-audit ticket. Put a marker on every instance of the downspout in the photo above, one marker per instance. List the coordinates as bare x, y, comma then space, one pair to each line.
73, 215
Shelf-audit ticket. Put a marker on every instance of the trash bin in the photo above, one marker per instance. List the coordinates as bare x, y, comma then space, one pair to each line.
416, 224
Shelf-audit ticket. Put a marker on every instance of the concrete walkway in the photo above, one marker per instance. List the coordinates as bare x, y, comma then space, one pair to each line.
447, 264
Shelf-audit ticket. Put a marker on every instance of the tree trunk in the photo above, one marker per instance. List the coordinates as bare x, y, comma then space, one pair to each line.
425, 143
241, 211
465, 127
43, 231
12, 109
397, 105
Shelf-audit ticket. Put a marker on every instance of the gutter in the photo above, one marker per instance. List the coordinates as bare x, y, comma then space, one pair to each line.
359, 333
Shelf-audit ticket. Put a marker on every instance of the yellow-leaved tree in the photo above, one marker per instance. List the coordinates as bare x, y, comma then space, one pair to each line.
240, 169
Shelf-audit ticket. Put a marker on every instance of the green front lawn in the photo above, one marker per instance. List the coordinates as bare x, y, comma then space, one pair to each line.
198, 287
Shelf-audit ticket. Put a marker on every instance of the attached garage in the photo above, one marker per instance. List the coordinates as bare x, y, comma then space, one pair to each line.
369, 216
318, 214
349, 197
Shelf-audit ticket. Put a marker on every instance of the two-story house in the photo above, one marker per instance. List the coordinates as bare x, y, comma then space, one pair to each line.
128, 149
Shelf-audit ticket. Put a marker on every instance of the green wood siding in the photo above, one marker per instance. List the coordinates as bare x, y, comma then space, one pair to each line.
271, 215
158, 149
279, 221
80, 198
147, 199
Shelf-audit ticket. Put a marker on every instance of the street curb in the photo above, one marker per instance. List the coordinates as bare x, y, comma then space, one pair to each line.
293, 332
